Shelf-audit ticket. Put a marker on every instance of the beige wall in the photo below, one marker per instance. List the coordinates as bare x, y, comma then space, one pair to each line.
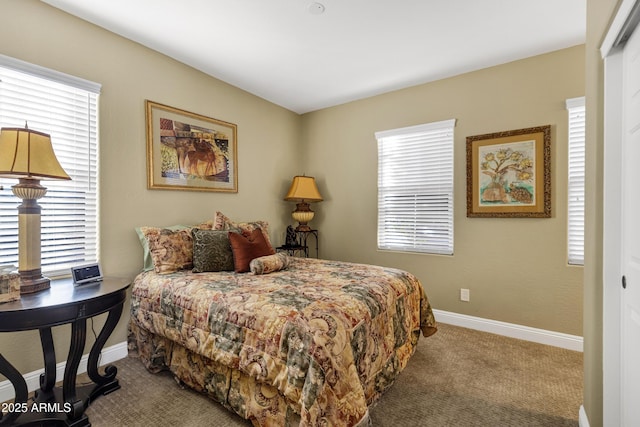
516, 269
268, 142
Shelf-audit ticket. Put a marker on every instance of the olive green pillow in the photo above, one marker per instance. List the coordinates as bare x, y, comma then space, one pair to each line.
211, 251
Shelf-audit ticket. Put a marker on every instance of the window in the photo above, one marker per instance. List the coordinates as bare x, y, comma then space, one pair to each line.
575, 235
415, 188
66, 108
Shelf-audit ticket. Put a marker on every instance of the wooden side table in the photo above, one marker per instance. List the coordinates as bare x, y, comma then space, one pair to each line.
62, 304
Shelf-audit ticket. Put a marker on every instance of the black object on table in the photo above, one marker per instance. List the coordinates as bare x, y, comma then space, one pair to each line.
300, 246
62, 304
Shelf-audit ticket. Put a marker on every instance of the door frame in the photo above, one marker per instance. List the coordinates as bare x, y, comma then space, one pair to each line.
612, 48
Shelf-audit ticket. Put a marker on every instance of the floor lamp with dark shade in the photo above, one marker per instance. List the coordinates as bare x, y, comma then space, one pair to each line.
28, 155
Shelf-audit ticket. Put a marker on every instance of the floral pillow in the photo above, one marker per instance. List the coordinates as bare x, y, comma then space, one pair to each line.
269, 263
146, 253
246, 247
222, 222
207, 225
211, 251
171, 250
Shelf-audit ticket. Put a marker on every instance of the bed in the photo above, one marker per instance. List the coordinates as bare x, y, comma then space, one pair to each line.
293, 341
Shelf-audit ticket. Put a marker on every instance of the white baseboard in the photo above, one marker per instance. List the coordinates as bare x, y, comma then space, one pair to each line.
583, 421
541, 336
108, 355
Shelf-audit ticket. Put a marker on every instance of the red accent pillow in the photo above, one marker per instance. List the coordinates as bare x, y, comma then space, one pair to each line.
248, 246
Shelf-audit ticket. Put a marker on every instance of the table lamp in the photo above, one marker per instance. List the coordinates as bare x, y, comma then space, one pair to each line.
303, 190
28, 155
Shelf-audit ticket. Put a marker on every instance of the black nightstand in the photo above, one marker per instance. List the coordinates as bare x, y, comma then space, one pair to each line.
302, 249
294, 250
62, 304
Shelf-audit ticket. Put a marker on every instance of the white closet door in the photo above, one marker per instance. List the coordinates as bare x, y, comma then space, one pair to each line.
630, 321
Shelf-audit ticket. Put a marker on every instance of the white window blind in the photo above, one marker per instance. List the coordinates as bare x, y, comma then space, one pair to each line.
66, 108
415, 188
575, 235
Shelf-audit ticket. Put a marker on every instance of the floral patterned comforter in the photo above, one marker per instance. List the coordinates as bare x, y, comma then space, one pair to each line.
318, 342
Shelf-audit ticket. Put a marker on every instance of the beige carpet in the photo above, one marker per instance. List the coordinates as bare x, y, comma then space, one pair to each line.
458, 377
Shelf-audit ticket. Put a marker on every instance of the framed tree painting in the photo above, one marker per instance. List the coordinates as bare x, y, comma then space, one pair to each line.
188, 151
509, 174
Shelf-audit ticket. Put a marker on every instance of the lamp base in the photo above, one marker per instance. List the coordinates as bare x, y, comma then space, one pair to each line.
303, 214
33, 281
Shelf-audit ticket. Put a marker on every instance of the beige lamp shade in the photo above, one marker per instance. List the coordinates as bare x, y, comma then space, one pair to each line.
28, 154
303, 188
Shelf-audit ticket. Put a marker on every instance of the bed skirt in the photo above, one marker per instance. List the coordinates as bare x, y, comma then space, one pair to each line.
236, 391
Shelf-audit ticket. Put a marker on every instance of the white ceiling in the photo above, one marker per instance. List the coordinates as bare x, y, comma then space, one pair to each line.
280, 51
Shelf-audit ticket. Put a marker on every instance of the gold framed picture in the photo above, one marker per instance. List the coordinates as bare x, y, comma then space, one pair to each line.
188, 151
509, 174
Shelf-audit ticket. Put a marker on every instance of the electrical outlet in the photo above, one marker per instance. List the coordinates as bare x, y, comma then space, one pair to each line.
464, 295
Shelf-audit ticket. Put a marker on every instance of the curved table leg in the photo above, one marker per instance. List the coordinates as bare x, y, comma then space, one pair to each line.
48, 379
20, 387
92, 364
78, 338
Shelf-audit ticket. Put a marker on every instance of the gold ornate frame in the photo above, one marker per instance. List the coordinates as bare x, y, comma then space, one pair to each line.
509, 174
188, 151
